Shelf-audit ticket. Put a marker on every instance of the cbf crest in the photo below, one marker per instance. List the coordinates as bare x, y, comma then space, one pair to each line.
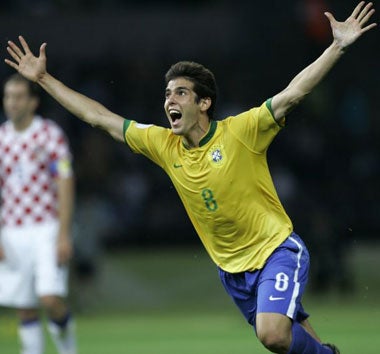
217, 156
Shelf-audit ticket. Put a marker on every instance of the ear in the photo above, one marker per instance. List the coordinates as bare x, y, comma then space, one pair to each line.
205, 104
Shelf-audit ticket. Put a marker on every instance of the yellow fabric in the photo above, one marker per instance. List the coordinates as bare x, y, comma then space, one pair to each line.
224, 184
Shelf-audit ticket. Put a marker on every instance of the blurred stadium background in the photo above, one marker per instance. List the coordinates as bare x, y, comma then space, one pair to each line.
141, 282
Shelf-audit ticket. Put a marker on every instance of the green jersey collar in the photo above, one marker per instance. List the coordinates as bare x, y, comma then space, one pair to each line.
209, 134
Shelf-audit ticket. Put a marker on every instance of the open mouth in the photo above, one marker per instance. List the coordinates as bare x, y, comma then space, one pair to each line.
175, 115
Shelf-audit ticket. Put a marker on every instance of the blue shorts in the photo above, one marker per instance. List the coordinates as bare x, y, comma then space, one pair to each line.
277, 287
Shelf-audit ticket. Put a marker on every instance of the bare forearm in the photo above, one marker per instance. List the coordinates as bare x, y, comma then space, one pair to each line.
66, 192
303, 83
85, 108
310, 77
79, 105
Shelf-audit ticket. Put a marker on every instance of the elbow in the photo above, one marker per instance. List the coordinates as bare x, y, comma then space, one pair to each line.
288, 99
298, 96
295, 99
93, 118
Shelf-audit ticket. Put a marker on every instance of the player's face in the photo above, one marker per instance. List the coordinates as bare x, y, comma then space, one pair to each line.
19, 105
181, 106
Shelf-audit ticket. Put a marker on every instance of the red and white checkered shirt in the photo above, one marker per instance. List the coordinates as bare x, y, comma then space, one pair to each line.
30, 162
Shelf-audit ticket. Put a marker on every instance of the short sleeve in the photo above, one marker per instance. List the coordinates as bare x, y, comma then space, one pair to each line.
255, 128
146, 139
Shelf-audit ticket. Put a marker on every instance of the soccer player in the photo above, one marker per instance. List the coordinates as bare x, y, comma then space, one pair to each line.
37, 192
219, 169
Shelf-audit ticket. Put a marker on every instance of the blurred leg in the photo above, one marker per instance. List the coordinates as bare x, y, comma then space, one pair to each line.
30, 332
61, 325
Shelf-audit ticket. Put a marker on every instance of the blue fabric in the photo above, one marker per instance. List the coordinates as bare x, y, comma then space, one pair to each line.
277, 287
304, 343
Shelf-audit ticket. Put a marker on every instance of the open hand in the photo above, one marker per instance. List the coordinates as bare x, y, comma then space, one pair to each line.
347, 32
27, 64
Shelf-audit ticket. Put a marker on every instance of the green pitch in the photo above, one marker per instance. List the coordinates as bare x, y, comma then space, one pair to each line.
354, 328
138, 306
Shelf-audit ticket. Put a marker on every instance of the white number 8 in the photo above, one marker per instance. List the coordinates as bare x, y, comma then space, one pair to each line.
282, 282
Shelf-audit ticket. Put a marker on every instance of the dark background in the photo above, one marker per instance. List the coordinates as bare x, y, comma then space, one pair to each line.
325, 163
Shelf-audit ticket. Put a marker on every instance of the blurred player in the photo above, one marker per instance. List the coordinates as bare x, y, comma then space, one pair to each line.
219, 169
37, 194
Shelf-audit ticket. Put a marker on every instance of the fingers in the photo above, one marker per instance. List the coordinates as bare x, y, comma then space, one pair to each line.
357, 9
365, 12
24, 44
16, 53
13, 54
43, 50
367, 17
372, 25
330, 17
362, 15
11, 64
16, 50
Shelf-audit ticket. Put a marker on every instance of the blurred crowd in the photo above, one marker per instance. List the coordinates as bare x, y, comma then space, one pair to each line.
325, 163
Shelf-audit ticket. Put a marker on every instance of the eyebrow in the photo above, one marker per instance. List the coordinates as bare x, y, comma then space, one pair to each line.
178, 88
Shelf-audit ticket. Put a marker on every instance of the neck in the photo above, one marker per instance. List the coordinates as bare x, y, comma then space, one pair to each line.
193, 139
23, 123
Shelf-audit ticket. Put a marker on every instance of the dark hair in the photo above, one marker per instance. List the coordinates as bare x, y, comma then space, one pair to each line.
202, 78
34, 89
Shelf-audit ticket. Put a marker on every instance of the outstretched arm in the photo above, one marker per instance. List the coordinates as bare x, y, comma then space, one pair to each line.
344, 33
86, 109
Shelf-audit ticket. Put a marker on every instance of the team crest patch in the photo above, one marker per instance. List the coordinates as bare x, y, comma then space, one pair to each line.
216, 155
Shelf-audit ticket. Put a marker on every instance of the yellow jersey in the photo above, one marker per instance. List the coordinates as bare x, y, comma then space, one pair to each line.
224, 184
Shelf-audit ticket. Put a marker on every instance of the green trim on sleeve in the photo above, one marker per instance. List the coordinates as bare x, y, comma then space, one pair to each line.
126, 124
268, 103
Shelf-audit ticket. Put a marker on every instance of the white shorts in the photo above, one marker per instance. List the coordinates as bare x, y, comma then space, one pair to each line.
30, 268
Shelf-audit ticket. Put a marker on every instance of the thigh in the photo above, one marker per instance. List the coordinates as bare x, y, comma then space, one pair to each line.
242, 289
283, 280
17, 269
51, 278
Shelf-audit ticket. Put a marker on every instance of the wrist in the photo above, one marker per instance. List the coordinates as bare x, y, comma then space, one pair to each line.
338, 47
43, 79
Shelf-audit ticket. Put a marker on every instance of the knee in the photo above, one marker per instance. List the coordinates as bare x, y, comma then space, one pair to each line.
274, 331
49, 301
275, 340
27, 314
54, 305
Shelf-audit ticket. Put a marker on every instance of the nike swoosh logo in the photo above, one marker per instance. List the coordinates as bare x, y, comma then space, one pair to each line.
273, 298
176, 165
